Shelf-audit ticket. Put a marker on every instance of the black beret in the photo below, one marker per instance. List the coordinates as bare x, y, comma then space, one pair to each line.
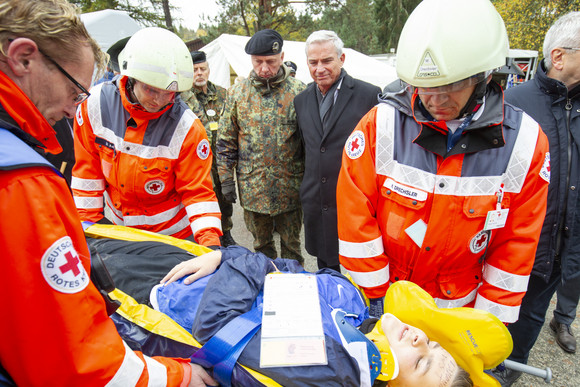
198, 57
265, 42
291, 65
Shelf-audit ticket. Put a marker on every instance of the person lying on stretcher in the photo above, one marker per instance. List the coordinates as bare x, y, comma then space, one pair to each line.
420, 344
476, 340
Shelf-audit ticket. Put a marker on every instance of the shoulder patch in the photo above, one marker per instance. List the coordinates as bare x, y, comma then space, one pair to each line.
545, 171
203, 149
62, 268
479, 242
355, 145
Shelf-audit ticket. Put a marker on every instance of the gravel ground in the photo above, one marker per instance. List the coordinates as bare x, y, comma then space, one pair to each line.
546, 353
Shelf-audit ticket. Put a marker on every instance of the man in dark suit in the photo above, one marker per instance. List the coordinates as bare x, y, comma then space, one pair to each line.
327, 112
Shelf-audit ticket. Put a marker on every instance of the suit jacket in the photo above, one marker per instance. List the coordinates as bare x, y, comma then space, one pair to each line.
323, 158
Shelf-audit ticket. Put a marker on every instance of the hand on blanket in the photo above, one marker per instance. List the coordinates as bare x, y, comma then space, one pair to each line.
198, 267
200, 378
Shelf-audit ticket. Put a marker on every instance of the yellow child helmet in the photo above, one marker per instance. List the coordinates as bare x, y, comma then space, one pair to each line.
445, 41
158, 58
476, 339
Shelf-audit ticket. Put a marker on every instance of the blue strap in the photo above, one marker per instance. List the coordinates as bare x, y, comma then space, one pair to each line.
351, 334
453, 137
224, 348
86, 224
14, 153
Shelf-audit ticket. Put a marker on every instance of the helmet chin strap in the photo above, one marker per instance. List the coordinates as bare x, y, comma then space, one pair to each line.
475, 100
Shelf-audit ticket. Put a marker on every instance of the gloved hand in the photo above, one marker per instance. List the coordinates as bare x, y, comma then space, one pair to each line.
376, 307
229, 191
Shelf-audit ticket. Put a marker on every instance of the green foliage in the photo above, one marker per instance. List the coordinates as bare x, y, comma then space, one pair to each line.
245, 17
145, 12
391, 16
352, 20
527, 21
355, 24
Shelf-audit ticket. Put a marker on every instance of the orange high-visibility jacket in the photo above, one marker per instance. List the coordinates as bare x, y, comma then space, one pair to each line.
55, 329
408, 211
145, 170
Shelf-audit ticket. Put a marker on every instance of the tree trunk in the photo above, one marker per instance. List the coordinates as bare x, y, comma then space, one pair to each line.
167, 13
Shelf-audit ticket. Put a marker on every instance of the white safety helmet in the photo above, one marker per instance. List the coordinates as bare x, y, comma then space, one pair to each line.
158, 58
446, 41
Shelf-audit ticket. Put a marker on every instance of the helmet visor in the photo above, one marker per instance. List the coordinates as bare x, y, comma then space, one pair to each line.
450, 88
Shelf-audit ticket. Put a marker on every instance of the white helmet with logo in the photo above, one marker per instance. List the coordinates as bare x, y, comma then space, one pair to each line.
445, 41
158, 58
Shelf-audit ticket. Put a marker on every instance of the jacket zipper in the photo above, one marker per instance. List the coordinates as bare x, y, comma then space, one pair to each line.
561, 227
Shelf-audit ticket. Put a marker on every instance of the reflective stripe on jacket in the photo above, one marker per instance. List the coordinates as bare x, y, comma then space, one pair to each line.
406, 213
145, 170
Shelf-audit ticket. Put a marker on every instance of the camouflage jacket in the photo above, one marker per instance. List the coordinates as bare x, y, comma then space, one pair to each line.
258, 137
203, 104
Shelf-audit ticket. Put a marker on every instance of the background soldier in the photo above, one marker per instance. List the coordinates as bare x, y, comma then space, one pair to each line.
259, 137
292, 67
207, 100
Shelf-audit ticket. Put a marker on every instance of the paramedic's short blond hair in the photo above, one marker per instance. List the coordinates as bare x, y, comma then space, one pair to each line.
54, 25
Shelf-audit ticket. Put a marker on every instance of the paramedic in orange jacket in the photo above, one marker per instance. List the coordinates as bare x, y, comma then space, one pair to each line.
443, 183
55, 329
143, 159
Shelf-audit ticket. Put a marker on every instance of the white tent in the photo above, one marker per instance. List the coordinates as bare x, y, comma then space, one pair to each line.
108, 26
228, 50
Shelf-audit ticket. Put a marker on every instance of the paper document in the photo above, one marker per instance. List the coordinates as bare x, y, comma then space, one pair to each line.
292, 333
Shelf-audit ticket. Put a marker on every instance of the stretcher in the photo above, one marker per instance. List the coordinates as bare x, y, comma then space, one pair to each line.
156, 334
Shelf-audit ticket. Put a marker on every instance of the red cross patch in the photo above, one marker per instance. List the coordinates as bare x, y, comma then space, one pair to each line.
154, 187
545, 171
479, 241
62, 268
355, 145
203, 149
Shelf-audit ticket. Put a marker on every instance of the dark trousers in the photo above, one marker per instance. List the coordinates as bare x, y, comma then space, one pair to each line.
227, 209
322, 264
287, 224
525, 331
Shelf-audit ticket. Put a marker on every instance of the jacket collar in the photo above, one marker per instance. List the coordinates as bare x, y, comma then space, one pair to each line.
25, 119
484, 133
135, 109
549, 85
552, 86
211, 90
266, 86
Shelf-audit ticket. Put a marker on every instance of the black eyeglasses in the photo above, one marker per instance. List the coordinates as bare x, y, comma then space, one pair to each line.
84, 92
572, 48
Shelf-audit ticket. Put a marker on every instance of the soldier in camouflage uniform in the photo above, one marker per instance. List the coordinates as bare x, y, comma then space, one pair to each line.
258, 137
207, 102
